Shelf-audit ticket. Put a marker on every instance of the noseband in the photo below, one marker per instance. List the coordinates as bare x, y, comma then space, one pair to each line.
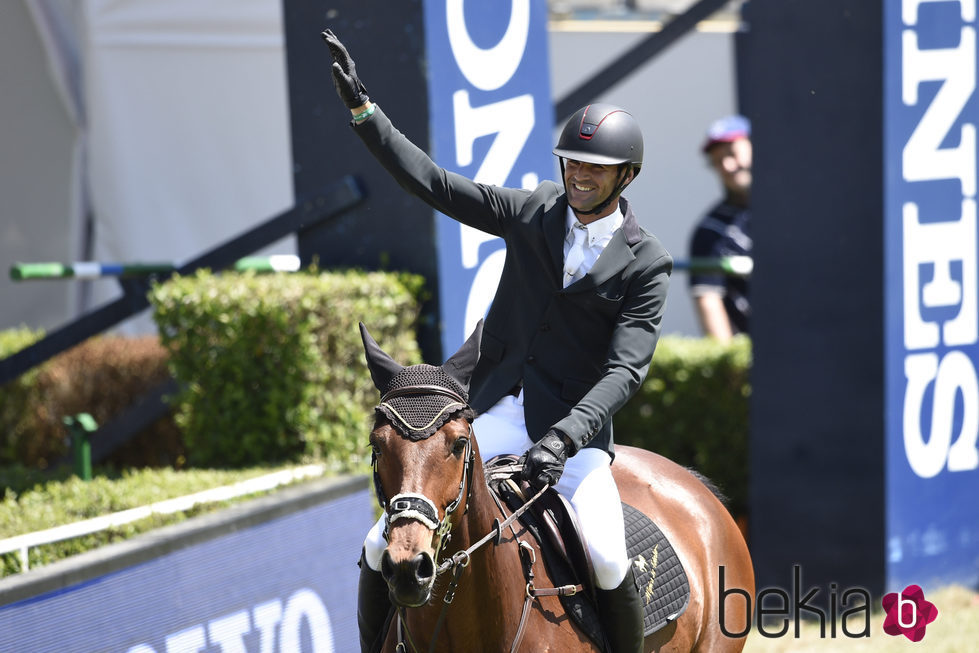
410, 505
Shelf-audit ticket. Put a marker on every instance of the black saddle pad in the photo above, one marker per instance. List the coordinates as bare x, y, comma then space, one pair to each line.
660, 579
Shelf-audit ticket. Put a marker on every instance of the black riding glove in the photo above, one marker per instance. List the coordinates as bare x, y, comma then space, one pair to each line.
543, 463
349, 87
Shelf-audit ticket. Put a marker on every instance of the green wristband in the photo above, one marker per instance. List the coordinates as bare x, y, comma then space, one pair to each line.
365, 114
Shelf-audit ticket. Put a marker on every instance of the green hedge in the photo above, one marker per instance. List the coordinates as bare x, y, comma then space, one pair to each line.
274, 369
693, 409
273, 366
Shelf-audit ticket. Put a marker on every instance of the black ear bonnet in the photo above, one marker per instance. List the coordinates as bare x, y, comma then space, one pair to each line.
419, 399
418, 415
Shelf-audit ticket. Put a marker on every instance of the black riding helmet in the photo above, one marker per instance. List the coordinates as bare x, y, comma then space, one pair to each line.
603, 134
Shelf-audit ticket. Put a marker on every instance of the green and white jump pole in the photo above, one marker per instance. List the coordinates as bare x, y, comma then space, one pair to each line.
97, 270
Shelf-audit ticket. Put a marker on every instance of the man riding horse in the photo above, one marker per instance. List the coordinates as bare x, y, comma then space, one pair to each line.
570, 333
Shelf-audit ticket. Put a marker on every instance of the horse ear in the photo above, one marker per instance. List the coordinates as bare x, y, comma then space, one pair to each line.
461, 364
381, 366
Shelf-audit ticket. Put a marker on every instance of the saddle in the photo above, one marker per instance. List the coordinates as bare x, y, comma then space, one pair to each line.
660, 578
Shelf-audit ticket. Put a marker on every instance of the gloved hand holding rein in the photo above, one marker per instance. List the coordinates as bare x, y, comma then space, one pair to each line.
544, 462
349, 87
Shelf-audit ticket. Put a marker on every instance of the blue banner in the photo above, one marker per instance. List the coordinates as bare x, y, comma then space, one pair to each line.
931, 317
491, 120
287, 585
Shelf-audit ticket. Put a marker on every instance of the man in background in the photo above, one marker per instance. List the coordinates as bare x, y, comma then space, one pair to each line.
721, 300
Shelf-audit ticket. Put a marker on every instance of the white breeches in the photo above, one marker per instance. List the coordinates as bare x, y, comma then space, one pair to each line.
586, 483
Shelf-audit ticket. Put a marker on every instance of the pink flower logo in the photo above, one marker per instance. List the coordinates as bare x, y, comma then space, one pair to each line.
908, 613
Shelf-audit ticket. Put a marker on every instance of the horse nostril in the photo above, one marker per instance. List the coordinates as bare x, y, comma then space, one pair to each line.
387, 567
424, 567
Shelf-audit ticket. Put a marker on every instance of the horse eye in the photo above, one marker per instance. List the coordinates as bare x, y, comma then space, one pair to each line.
376, 450
459, 446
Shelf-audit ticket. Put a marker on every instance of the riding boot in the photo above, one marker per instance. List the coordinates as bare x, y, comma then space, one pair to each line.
621, 613
373, 607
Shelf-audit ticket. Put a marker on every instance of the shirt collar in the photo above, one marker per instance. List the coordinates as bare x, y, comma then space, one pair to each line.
599, 230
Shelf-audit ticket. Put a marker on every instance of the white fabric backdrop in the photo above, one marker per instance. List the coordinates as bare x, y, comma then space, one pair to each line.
188, 126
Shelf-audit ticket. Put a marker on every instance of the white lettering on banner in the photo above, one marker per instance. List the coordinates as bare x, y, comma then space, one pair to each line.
511, 120
934, 249
267, 617
275, 624
952, 375
484, 287
191, 640
939, 245
228, 632
924, 158
305, 605
491, 68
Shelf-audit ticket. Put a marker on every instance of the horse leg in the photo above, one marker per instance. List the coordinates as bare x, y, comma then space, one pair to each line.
705, 539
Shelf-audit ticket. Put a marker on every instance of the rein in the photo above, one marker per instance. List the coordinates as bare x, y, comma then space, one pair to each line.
460, 560
462, 557
422, 509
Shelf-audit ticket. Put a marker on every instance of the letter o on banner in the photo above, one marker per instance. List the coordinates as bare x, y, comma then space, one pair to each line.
305, 603
491, 68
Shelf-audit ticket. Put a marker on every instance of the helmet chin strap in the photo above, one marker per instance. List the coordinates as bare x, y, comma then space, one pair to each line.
608, 200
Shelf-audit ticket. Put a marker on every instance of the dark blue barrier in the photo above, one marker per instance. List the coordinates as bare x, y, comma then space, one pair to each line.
931, 322
865, 326
277, 574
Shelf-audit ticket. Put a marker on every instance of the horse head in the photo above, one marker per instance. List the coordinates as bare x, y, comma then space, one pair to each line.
422, 454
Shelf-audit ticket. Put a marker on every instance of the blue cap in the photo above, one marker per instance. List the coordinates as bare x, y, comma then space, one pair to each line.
727, 130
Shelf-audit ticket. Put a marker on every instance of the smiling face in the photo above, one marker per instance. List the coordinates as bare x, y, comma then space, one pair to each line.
590, 184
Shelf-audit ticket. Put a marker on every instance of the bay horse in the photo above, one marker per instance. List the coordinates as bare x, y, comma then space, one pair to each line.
457, 578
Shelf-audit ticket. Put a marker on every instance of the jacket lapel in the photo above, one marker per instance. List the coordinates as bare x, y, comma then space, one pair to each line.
554, 234
616, 255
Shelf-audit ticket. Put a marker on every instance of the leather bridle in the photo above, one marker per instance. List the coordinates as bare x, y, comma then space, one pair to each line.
410, 505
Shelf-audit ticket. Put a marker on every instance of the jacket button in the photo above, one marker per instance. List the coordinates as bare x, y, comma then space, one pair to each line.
545, 327
531, 359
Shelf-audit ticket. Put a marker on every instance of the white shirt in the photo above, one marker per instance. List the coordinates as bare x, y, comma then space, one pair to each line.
599, 234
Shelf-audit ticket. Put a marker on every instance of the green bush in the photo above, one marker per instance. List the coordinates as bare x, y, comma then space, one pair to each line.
272, 366
693, 409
